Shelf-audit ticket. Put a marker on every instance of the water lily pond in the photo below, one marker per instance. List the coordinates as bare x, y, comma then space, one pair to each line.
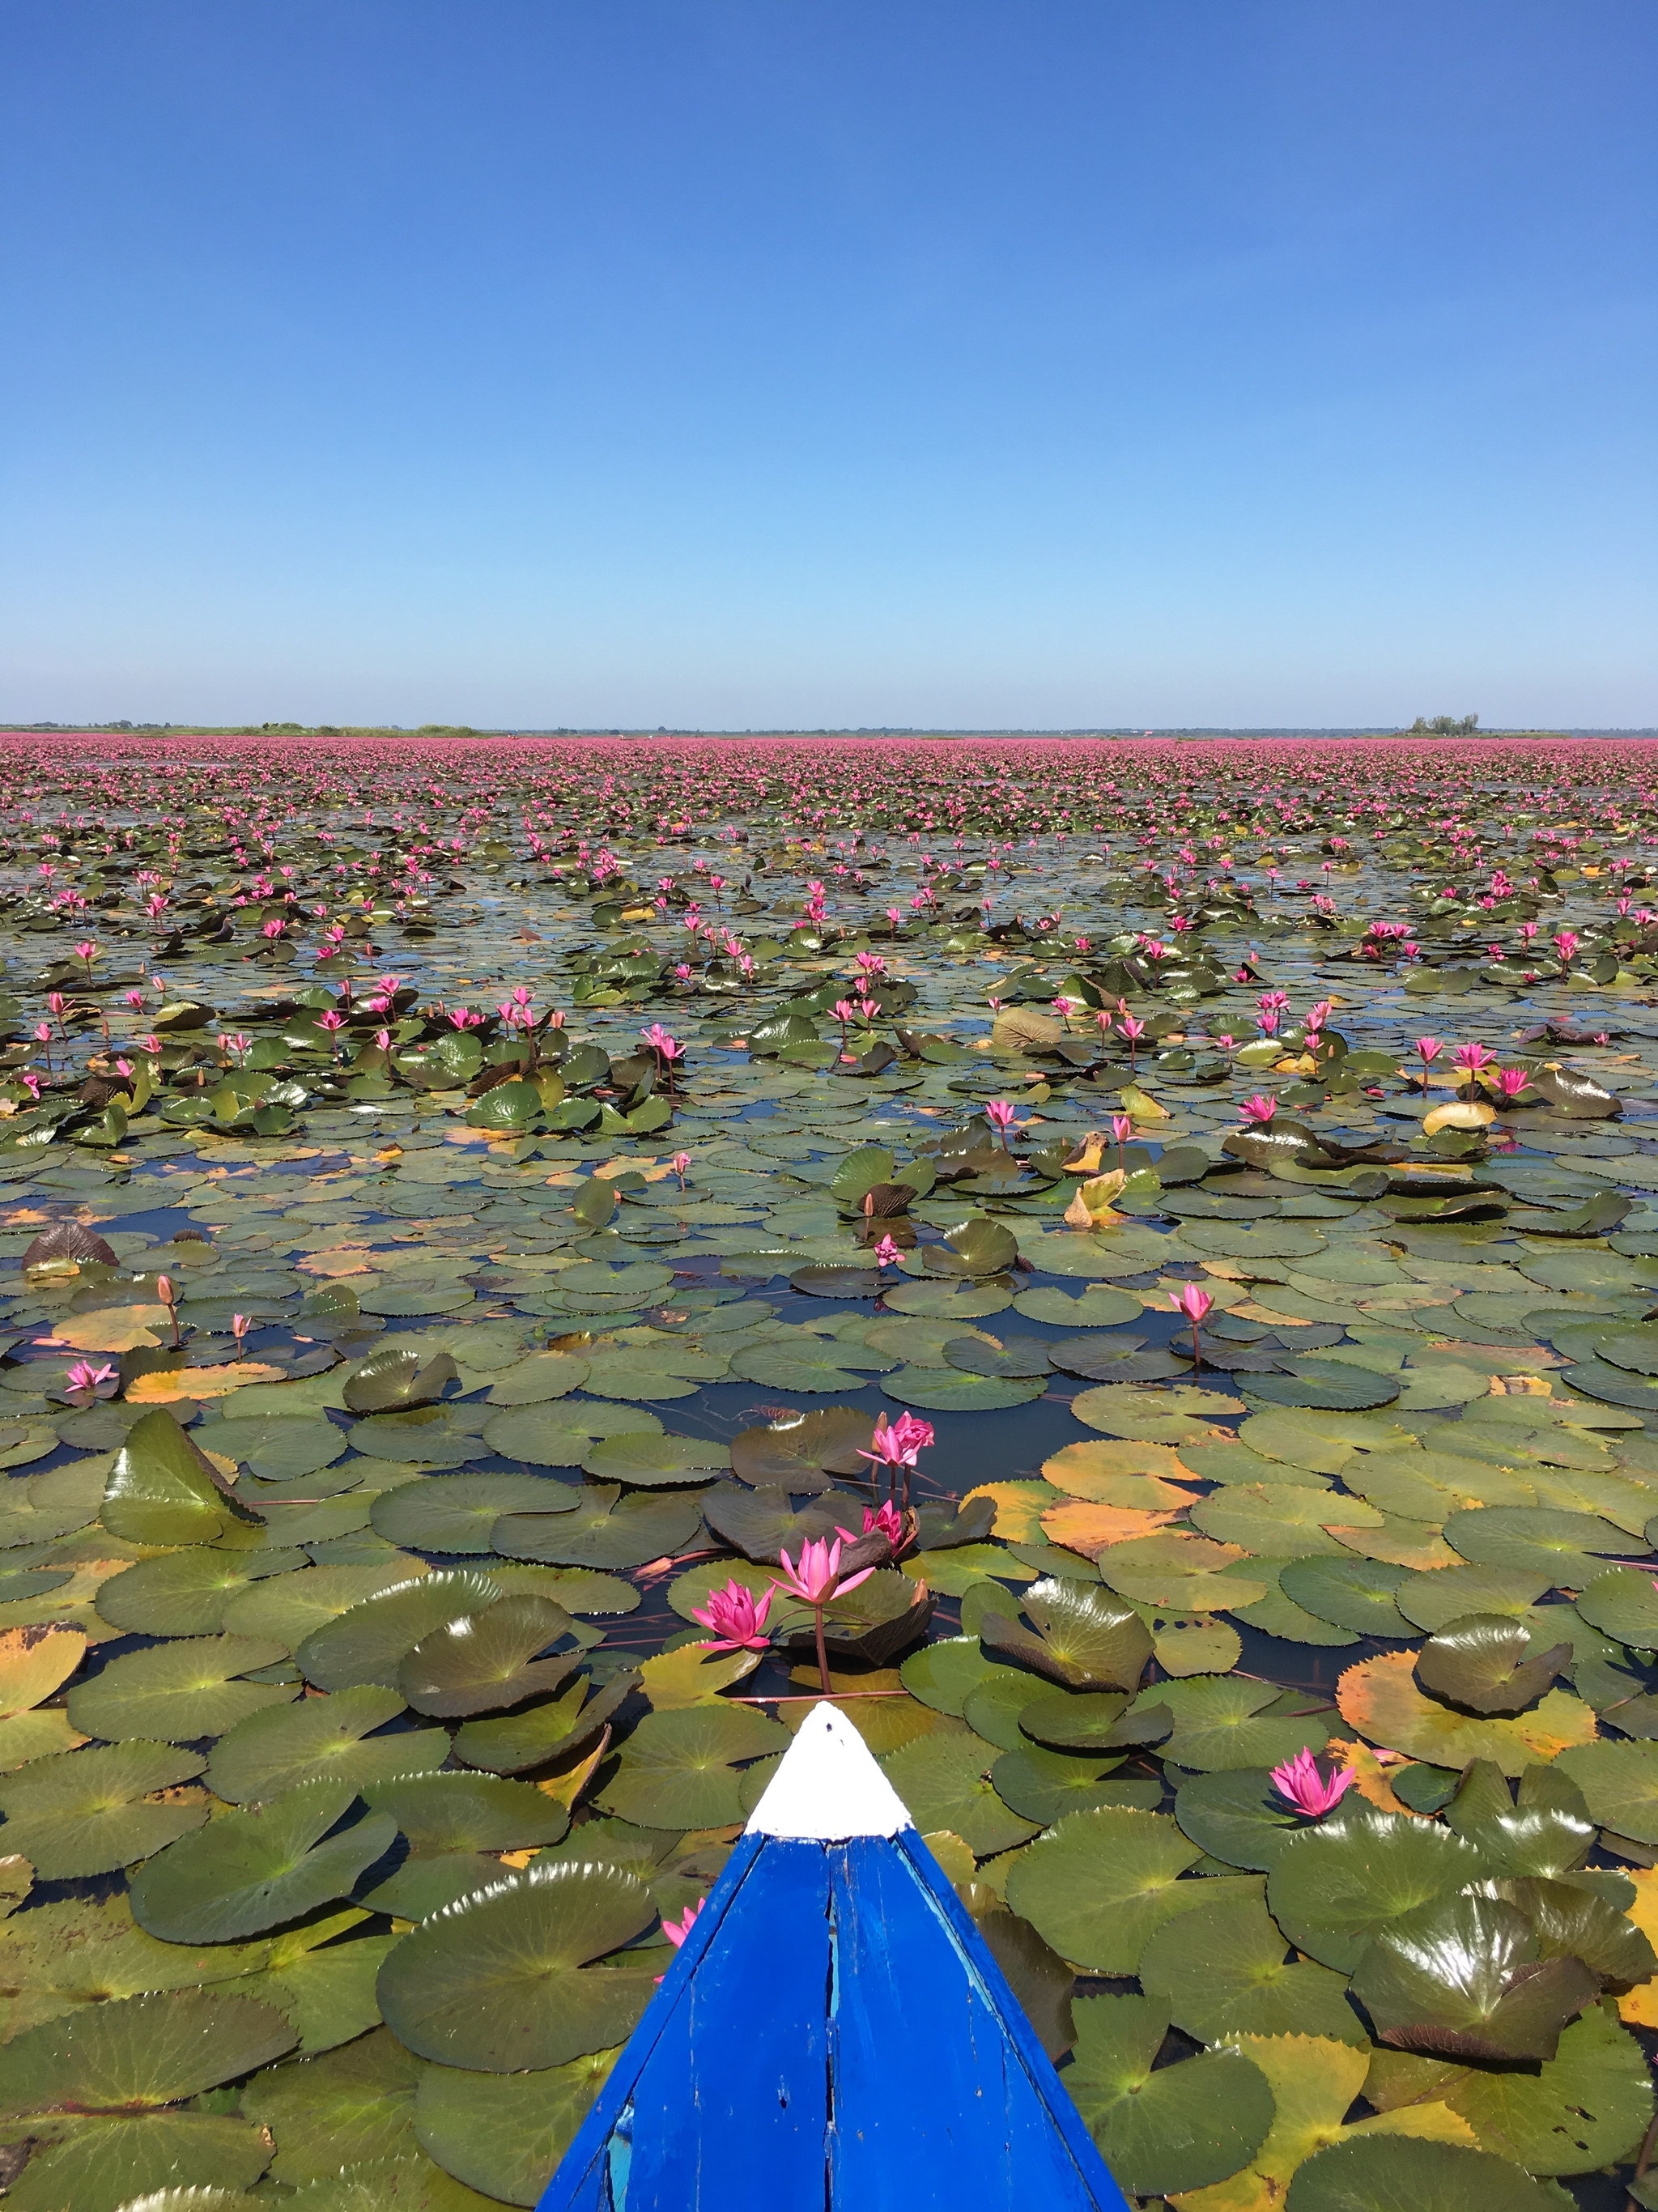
466, 1210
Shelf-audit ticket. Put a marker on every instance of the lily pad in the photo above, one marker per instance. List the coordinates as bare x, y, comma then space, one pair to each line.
1488, 1663
457, 1513
366, 1645
1342, 1881
85, 1813
481, 1662
605, 1529
1099, 1884
505, 2133
1079, 1636
1224, 1971
504, 1981
680, 1769
260, 1867
1164, 2129
329, 1738
178, 1693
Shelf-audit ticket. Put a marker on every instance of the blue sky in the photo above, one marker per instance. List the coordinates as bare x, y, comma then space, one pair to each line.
792, 362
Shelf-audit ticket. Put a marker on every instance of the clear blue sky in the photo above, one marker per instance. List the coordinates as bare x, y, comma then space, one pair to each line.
783, 362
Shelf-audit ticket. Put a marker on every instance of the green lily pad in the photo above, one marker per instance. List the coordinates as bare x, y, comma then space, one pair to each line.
1434, 1599
279, 1449
944, 1781
564, 1435
1341, 1880
1587, 2107
469, 1812
680, 1769
1623, 1603
1481, 1664
1224, 1971
1404, 2173
1620, 1782
505, 2133
605, 1529
1080, 1636
1356, 1594
368, 1642
178, 1692
336, 2111
1535, 1538
1225, 1721
456, 1513
538, 1379
1236, 1815
329, 1738
1323, 1383
256, 1868
1181, 1413
545, 1731
287, 1608
963, 1302
139, 2053
162, 1490
82, 1812
647, 1462
483, 1661
184, 1593
427, 1436
503, 1981
1098, 1884
1044, 1785
1164, 2129
947, 1390
1460, 1976
396, 1377
1095, 1308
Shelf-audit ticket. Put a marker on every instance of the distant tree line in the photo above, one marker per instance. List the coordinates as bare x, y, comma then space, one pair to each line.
1444, 725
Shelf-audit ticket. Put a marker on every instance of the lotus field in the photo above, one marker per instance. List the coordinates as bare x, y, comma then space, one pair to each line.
1132, 1268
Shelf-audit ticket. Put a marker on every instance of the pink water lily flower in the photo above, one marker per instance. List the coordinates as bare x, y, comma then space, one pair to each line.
887, 1254
84, 1383
816, 1578
1300, 1782
737, 1621
1259, 1109
885, 1521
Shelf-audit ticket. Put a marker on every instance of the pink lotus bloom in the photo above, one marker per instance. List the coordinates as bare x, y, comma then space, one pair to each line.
1192, 1302
885, 1521
1299, 1781
999, 1112
83, 1382
816, 1579
1473, 1057
1122, 1128
665, 1047
239, 1325
1128, 1027
1565, 944
1428, 1049
679, 1163
887, 1254
333, 1021
677, 1930
738, 1622
1259, 1109
1509, 1082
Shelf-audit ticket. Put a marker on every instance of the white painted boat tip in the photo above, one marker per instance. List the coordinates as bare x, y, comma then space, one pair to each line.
828, 1788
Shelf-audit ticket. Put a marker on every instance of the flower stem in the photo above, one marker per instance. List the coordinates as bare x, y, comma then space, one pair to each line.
822, 1655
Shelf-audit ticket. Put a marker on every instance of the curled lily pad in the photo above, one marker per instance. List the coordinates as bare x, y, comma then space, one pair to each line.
82, 1812
1380, 1698
256, 1868
504, 1981
162, 1491
366, 1643
396, 1377
1079, 1635
1460, 1978
548, 1730
1484, 1663
287, 1610
178, 1692
481, 1661
329, 1738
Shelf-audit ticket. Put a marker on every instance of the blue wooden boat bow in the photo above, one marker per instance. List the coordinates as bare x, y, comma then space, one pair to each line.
833, 2034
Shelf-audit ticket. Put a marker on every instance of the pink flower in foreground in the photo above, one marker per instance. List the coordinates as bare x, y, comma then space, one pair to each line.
887, 1254
1192, 1302
677, 1930
1509, 1082
998, 1112
738, 1622
1259, 1109
1473, 1057
1300, 1782
816, 1579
